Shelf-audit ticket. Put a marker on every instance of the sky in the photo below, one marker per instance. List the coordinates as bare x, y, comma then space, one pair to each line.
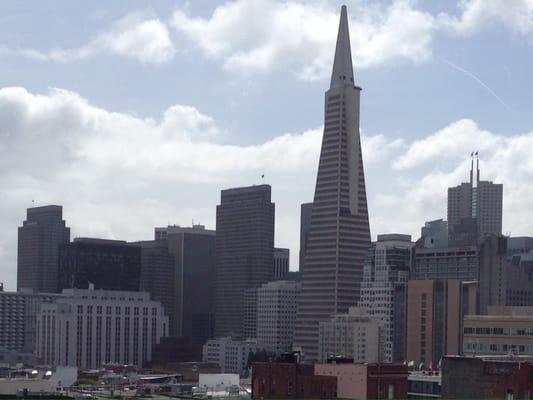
136, 114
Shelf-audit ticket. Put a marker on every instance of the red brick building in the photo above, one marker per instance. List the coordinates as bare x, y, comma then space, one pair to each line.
285, 380
367, 381
487, 378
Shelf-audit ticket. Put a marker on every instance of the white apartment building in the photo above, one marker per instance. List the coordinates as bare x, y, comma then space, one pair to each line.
276, 314
88, 328
231, 355
384, 289
353, 335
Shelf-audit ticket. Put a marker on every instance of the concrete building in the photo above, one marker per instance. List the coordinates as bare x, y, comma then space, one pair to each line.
281, 263
276, 313
486, 378
434, 234
231, 355
474, 209
339, 233
178, 269
305, 222
502, 331
367, 381
249, 320
106, 264
493, 276
384, 290
18, 312
459, 263
89, 328
354, 335
244, 251
39, 238
435, 311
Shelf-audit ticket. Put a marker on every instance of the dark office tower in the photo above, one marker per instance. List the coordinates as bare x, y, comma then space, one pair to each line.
474, 210
107, 264
244, 252
178, 270
39, 238
339, 234
305, 222
281, 263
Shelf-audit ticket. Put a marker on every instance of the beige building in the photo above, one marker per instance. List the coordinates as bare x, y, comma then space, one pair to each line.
435, 310
353, 335
503, 330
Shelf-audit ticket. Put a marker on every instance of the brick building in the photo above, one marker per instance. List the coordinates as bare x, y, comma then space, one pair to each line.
487, 378
367, 381
291, 380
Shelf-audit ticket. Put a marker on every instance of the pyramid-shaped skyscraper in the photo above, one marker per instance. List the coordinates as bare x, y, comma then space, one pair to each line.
339, 234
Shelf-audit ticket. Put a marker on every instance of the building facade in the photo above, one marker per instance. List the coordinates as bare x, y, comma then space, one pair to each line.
474, 209
384, 291
18, 311
277, 304
354, 335
339, 233
305, 222
244, 252
39, 238
367, 381
178, 269
281, 263
106, 264
504, 330
459, 263
231, 355
434, 234
249, 319
89, 328
435, 311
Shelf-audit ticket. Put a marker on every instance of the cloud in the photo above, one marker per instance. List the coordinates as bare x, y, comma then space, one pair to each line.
477, 15
261, 36
118, 175
135, 36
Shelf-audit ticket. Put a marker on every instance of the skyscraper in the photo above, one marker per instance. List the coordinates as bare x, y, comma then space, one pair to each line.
305, 221
474, 209
339, 233
244, 252
39, 238
281, 263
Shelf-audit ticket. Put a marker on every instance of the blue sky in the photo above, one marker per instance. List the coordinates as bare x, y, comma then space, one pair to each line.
135, 114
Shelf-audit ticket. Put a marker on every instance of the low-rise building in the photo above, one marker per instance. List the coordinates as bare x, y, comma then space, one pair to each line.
487, 378
367, 381
89, 328
424, 385
291, 380
355, 335
231, 355
503, 330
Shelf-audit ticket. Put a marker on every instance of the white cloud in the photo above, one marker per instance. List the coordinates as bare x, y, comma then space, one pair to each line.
118, 175
477, 15
135, 36
259, 35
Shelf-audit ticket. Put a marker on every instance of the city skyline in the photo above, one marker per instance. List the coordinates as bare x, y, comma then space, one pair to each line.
135, 183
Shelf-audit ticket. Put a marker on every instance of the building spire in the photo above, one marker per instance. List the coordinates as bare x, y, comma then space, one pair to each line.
342, 65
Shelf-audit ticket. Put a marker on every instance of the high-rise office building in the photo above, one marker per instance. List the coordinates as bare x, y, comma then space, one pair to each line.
281, 263
493, 272
244, 252
434, 234
474, 209
106, 264
39, 238
305, 222
276, 310
435, 311
459, 263
339, 233
384, 291
178, 269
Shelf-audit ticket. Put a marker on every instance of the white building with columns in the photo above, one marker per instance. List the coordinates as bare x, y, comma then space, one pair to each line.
89, 328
